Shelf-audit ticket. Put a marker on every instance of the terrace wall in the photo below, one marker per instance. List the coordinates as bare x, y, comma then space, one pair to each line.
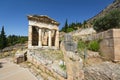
109, 44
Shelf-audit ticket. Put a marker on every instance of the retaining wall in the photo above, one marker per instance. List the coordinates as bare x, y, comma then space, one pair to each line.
35, 60
109, 44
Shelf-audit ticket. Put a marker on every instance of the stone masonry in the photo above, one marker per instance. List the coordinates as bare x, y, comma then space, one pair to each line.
110, 45
43, 32
74, 63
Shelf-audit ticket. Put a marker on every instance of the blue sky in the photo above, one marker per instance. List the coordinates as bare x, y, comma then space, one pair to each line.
13, 13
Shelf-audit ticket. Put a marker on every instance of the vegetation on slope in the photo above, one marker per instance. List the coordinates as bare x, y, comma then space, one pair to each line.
10, 40
109, 21
73, 26
91, 45
109, 8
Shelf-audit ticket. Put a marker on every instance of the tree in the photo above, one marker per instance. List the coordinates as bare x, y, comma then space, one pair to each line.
66, 26
78, 25
3, 40
71, 27
14, 39
109, 21
84, 24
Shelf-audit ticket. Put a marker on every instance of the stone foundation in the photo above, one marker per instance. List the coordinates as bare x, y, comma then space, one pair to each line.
35, 60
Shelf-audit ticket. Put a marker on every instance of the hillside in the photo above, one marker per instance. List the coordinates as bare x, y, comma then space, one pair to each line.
114, 5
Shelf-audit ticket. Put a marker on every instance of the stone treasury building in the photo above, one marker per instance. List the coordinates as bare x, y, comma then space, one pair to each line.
43, 32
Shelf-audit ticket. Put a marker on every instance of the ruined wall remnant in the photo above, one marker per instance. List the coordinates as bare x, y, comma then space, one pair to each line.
110, 45
73, 62
69, 44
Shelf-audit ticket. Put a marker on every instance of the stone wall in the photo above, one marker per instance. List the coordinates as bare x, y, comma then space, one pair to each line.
109, 44
45, 69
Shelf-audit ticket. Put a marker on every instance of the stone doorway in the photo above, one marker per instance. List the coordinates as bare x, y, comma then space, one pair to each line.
34, 36
53, 37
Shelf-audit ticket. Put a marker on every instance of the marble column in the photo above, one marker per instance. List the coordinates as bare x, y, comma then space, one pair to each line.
49, 40
40, 38
57, 39
30, 36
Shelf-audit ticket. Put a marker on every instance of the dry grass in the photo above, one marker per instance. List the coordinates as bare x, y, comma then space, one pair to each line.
51, 54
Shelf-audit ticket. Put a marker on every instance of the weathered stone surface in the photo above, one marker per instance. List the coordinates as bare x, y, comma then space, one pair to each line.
69, 44
72, 56
103, 71
106, 50
47, 63
92, 54
74, 66
20, 56
110, 45
58, 70
68, 38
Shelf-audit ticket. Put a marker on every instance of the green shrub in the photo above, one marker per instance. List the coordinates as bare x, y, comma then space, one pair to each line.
70, 29
94, 45
81, 45
63, 67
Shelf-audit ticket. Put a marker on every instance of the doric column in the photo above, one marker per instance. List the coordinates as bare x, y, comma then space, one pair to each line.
49, 40
40, 38
57, 39
30, 36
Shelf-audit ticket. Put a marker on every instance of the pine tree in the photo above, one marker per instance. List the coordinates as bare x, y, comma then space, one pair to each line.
84, 24
3, 40
66, 26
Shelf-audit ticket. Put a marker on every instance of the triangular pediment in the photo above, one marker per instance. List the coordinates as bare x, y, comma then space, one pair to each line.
42, 18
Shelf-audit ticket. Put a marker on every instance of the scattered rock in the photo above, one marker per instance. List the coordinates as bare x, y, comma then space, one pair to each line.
92, 54
103, 71
61, 62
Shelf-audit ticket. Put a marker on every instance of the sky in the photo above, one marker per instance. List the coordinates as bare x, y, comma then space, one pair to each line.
13, 13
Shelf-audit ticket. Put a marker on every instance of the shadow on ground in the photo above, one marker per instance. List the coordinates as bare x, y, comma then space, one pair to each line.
1, 64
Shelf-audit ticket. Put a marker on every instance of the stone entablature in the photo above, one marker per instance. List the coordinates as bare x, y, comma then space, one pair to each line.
43, 32
43, 25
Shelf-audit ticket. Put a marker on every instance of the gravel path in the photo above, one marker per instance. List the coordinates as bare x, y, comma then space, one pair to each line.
11, 71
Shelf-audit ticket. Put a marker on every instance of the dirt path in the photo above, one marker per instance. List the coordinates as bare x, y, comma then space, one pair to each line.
11, 71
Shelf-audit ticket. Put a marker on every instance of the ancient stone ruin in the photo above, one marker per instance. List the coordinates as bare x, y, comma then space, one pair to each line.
74, 63
43, 32
69, 44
